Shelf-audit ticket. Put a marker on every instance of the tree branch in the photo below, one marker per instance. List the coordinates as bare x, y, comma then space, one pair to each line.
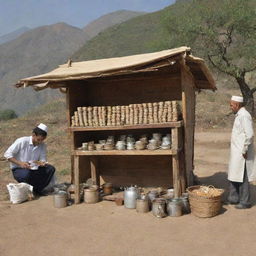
253, 90
250, 69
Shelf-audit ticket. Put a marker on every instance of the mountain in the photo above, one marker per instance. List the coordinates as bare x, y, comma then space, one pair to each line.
13, 35
40, 50
109, 20
37, 51
145, 33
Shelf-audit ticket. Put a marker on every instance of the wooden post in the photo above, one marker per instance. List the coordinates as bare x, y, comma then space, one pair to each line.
188, 112
77, 179
175, 138
176, 176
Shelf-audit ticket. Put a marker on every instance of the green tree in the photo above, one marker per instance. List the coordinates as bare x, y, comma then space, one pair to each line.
224, 33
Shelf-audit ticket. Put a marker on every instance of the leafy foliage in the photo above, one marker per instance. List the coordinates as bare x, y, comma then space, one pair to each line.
223, 31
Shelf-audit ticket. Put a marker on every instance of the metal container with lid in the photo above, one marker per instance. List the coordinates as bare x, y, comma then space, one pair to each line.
158, 207
91, 195
130, 196
60, 199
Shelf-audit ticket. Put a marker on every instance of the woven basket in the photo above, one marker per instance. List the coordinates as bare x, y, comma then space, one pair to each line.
203, 206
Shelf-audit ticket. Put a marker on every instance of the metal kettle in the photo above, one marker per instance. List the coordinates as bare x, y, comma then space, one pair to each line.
130, 196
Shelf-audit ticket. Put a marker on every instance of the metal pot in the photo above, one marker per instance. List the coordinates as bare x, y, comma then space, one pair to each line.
185, 204
107, 188
91, 195
130, 196
142, 205
60, 199
158, 207
174, 207
153, 194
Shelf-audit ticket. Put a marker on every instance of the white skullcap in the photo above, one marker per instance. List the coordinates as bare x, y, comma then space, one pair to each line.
43, 127
237, 99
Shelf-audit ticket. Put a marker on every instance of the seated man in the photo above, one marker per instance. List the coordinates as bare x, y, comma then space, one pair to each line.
27, 157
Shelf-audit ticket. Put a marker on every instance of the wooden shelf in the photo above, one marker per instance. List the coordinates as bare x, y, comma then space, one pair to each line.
145, 152
128, 127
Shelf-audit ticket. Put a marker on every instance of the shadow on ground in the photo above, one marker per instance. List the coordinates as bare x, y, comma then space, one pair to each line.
219, 180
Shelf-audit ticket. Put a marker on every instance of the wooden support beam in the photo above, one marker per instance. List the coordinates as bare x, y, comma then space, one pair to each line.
77, 179
176, 176
188, 112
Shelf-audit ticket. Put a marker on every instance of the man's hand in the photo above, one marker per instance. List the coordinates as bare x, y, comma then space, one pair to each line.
42, 164
245, 155
24, 165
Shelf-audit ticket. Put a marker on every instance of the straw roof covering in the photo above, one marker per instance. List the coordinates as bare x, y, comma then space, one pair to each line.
128, 65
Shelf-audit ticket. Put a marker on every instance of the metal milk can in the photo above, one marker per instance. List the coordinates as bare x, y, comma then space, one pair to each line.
91, 195
130, 196
60, 199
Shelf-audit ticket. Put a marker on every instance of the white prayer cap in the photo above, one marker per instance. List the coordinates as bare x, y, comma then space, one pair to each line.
237, 99
43, 127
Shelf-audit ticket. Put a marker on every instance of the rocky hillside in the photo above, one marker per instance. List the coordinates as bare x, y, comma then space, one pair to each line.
13, 35
40, 50
109, 20
36, 51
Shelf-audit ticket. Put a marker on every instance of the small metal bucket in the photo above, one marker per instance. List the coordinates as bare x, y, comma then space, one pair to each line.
91, 195
185, 204
60, 199
174, 207
158, 207
107, 189
142, 205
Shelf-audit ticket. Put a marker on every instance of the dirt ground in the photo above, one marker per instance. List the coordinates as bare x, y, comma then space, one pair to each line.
37, 228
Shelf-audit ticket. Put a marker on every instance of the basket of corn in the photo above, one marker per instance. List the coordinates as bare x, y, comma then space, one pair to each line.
205, 201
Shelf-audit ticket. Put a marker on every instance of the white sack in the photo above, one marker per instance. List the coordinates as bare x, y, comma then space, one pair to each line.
19, 192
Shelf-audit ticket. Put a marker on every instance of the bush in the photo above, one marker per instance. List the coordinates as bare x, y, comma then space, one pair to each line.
7, 114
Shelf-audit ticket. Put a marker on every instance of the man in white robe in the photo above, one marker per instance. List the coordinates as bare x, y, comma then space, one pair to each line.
241, 169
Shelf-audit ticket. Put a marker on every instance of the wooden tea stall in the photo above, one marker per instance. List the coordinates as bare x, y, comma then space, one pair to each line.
117, 83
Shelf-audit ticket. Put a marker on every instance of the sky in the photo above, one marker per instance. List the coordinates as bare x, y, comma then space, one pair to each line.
15, 14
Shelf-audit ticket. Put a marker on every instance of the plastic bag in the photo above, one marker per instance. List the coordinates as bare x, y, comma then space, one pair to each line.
19, 192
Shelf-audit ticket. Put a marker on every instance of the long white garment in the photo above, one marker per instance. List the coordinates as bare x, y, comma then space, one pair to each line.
242, 142
24, 150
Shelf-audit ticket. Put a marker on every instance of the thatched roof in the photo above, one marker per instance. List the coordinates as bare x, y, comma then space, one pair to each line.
123, 66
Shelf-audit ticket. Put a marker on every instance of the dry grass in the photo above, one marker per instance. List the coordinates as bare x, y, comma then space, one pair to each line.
212, 109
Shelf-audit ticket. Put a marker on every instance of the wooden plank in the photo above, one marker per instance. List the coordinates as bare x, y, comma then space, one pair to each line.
175, 138
94, 171
145, 171
176, 176
129, 127
72, 147
77, 179
162, 152
182, 171
113, 93
188, 111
